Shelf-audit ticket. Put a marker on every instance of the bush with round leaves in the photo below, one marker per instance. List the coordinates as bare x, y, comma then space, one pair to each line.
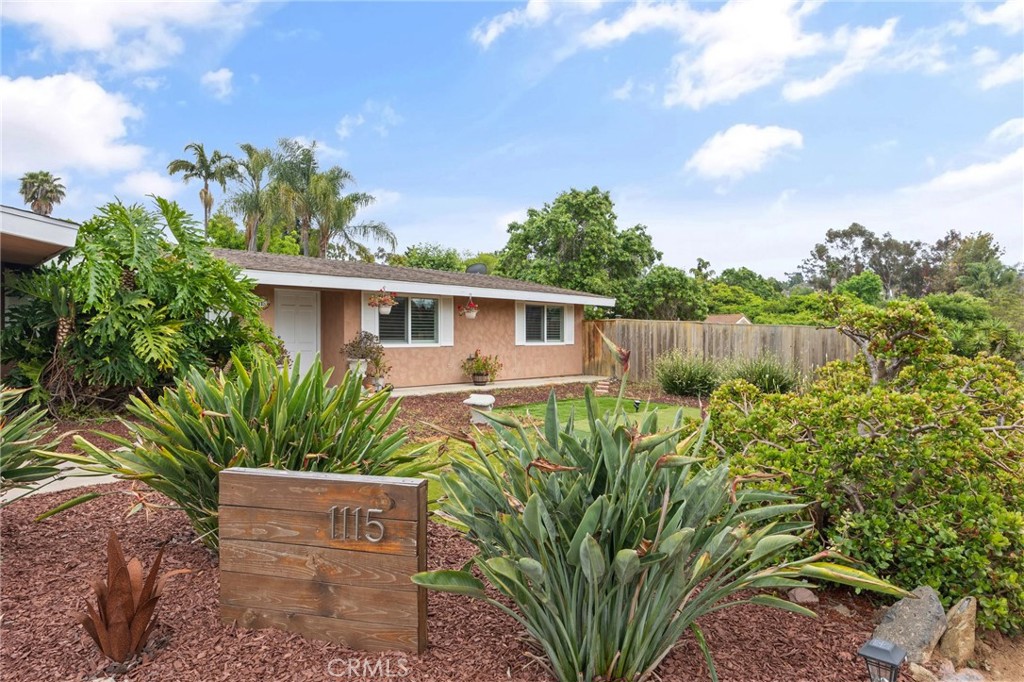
921, 475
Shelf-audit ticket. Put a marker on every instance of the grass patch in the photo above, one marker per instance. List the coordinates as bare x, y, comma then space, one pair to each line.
578, 408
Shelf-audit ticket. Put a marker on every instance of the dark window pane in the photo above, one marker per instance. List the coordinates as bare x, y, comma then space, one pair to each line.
393, 327
534, 323
554, 324
424, 320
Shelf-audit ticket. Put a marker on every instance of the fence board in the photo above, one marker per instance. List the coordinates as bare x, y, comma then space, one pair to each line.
806, 348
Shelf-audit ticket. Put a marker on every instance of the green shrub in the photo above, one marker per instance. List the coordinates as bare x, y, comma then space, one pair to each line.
611, 547
766, 372
24, 444
920, 475
256, 416
687, 375
128, 308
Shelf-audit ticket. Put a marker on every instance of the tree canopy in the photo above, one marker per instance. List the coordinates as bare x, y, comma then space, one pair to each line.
575, 242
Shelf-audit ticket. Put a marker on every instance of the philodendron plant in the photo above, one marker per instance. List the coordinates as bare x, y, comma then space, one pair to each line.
611, 545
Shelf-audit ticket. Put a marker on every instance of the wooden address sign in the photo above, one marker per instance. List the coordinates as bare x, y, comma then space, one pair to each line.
329, 556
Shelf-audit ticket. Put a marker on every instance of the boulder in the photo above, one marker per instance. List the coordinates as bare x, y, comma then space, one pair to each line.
915, 623
921, 674
957, 644
802, 596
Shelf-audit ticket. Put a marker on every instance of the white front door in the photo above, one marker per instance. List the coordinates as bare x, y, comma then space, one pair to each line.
297, 322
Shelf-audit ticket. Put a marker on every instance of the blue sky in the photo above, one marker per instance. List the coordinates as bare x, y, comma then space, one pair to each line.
737, 132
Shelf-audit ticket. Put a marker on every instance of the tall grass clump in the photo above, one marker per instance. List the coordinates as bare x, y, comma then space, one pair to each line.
611, 545
767, 372
257, 415
684, 374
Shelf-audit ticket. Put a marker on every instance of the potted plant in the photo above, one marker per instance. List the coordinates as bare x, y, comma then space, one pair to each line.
483, 368
469, 310
383, 301
378, 368
363, 350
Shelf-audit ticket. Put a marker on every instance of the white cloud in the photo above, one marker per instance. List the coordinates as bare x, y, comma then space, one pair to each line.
379, 116
1008, 132
151, 83
139, 37
347, 124
65, 122
624, 91
218, 83
135, 186
977, 178
862, 47
1004, 73
1009, 16
741, 150
983, 56
535, 13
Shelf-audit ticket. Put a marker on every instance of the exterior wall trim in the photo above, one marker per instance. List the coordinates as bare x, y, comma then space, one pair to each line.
310, 281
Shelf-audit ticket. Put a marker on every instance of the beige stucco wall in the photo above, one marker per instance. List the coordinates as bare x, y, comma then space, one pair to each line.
493, 332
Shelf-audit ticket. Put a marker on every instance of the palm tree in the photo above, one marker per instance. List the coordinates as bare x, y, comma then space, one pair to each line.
333, 214
42, 190
293, 173
253, 201
216, 167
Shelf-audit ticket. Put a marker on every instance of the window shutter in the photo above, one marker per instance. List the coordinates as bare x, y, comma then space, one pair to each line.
569, 320
371, 317
446, 322
520, 323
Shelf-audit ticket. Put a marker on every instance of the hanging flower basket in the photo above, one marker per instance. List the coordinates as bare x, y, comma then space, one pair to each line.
382, 301
469, 310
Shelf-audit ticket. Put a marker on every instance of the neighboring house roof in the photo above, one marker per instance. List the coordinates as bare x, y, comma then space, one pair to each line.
27, 238
727, 318
322, 273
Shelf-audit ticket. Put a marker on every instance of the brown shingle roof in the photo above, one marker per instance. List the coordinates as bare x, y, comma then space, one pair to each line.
252, 260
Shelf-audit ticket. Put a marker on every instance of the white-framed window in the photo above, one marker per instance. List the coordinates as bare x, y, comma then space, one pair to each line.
411, 321
538, 323
414, 321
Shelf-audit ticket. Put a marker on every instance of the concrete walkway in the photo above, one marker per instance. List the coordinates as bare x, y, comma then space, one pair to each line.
496, 385
73, 478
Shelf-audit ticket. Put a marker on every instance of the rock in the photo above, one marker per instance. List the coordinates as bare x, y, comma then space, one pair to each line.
802, 596
957, 644
842, 610
921, 674
981, 648
946, 668
965, 675
915, 623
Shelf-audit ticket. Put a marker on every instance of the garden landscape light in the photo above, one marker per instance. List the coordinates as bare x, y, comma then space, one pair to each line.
883, 659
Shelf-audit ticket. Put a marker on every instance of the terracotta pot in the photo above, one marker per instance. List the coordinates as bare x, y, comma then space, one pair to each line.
385, 310
481, 379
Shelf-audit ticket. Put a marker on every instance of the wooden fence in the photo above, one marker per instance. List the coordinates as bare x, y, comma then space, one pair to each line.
804, 347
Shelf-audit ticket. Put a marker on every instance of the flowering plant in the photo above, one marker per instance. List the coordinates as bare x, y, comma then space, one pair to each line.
482, 364
470, 307
382, 300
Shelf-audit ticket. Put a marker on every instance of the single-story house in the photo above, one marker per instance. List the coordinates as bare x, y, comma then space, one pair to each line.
317, 305
727, 318
28, 239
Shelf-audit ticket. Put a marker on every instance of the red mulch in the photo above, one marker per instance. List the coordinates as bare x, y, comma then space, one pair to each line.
420, 414
47, 568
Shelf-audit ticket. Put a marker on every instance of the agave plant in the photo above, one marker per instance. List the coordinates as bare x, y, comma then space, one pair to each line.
612, 545
257, 415
24, 444
126, 602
